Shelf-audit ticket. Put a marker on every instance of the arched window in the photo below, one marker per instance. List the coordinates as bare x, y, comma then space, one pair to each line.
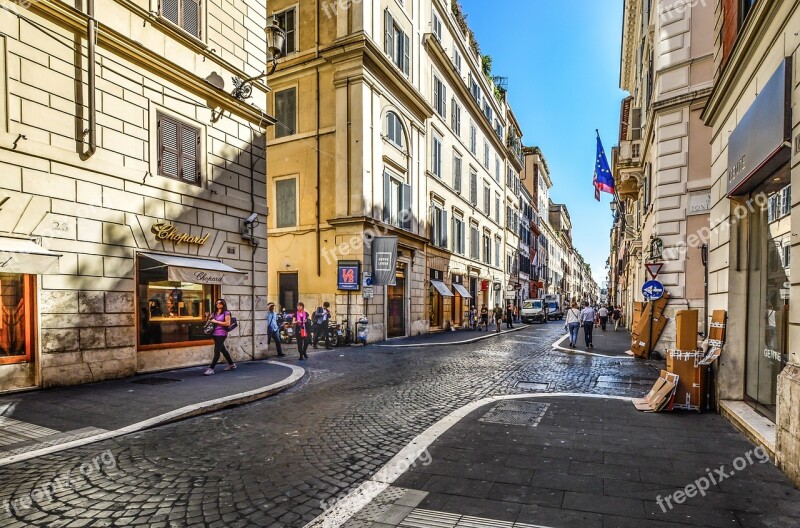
394, 129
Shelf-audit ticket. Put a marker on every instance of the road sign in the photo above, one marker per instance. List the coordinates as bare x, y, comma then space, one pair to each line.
368, 292
366, 278
652, 290
653, 268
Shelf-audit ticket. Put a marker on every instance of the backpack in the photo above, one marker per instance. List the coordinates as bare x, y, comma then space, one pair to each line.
319, 316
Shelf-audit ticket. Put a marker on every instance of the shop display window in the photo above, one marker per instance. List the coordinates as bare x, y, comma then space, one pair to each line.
171, 313
16, 317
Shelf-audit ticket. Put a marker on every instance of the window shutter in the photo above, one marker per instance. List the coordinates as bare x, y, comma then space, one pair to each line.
443, 229
168, 159
190, 141
169, 10
462, 236
388, 39
406, 54
405, 219
444, 101
191, 17
387, 198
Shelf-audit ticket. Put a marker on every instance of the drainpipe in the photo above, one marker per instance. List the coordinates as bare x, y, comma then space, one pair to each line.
319, 236
91, 37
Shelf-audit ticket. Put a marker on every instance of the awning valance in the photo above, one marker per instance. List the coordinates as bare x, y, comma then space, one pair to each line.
195, 270
22, 255
442, 288
462, 291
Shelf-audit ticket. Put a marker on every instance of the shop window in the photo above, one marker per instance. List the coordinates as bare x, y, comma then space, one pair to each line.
17, 310
171, 313
183, 13
178, 152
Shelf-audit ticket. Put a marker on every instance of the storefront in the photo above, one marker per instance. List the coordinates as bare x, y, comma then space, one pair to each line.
22, 261
439, 300
396, 303
461, 301
759, 185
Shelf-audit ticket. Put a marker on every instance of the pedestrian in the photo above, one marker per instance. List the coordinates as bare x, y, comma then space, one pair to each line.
498, 316
273, 328
509, 316
484, 318
573, 324
321, 317
602, 313
302, 323
616, 315
473, 317
221, 318
588, 315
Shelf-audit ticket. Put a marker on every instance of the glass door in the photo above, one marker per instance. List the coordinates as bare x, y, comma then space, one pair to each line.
395, 304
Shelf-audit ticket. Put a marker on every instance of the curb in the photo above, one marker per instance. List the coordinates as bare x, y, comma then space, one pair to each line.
182, 413
556, 346
354, 501
464, 342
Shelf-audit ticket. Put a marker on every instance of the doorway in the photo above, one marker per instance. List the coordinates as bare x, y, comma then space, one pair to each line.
396, 304
287, 291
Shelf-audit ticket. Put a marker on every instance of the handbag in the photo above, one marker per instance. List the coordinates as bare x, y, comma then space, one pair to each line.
208, 328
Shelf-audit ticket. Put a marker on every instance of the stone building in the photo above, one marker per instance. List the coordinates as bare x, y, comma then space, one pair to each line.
755, 158
128, 169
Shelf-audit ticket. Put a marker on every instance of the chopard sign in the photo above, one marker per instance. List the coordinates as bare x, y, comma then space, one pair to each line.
170, 233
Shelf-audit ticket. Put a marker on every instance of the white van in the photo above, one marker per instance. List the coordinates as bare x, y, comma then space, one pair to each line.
533, 311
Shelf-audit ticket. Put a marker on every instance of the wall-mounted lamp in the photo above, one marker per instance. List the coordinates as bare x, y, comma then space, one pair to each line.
276, 37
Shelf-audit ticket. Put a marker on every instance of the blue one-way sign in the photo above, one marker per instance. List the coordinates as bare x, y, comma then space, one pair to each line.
652, 290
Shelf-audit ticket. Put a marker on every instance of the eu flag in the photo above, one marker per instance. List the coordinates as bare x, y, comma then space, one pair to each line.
603, 180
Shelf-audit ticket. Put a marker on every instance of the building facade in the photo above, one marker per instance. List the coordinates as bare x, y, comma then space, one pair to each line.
661, 166
755, 159
128, 173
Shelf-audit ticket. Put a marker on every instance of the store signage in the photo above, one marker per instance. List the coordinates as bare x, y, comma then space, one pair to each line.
170, 233
348, 274
760, 143
699, 203
384, 261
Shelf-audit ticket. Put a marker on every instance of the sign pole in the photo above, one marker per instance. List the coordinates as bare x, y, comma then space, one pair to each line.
650, 339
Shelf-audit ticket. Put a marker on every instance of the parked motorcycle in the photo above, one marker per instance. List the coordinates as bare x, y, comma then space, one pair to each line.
287, 329
339, 334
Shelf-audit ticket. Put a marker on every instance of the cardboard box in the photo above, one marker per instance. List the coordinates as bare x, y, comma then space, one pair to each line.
692, 376
686, 333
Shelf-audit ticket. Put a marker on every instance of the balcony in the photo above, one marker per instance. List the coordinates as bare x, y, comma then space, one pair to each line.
630, 153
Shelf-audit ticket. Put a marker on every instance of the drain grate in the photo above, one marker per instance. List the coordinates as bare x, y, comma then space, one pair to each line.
616, 382
532, 385
155, 381
419, 518
516, 413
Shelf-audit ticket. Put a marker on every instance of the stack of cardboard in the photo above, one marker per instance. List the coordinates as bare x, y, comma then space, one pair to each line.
640, 342
661, 396
691, 388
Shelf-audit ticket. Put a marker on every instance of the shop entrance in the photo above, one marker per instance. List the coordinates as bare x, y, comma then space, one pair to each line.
768, 295
396, 305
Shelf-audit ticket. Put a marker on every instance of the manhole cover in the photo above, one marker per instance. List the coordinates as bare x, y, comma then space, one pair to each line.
532, 385
155, 381
516, 413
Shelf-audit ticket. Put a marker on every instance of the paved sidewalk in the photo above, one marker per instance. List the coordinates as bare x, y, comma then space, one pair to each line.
570, 461
456, 337
608, 343
50, 420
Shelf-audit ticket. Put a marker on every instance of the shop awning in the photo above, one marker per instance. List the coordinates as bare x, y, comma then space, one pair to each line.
196, 270
462, 291
22, 255
442, 288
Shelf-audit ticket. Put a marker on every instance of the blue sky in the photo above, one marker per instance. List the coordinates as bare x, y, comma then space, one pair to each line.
562, 63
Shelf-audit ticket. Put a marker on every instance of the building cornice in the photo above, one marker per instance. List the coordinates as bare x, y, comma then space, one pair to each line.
382, 227
762, 14
77, 21
630, 24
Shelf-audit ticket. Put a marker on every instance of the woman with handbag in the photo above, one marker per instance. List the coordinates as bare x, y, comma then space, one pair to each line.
573, 324
219, 321
303, 329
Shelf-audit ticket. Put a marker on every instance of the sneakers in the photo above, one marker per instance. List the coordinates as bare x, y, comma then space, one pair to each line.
208, 372
232, 366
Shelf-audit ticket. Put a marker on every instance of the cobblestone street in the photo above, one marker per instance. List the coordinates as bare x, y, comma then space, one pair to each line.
277, 462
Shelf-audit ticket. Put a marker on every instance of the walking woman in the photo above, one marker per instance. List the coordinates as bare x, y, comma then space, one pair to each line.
303, 330
573, 323
222, 320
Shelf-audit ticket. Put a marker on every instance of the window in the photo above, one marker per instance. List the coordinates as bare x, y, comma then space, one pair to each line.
474, 243
457, 60
17, 312
287, 21
487, 200
178, 152
473, 186
185, 14
286, 202
286, 112
437, 26
394, 129
485, 154
396, 201
786, 253
497, 208
487, 249
786, 200
455, 117
436, 161
487, 110
171, 313
498, 129
745, 6
474, 89
497, 168
396, 43
459, 242
457, 173
438, 227
473, 139
439, 97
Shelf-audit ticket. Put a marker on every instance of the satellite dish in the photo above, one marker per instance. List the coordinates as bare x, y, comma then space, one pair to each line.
215, 80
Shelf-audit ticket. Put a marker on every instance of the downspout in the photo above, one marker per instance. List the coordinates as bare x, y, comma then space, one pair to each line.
319, 236
91, 40
253, 241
